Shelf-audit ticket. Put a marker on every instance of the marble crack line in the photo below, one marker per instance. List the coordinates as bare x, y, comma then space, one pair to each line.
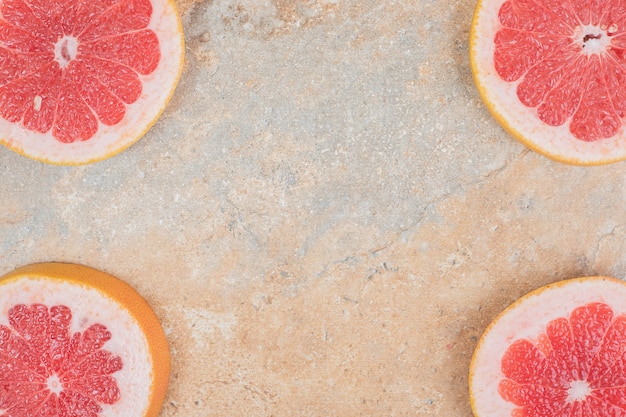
260, 392
464, 187
601, 240
357, 258
506, 165
239, 220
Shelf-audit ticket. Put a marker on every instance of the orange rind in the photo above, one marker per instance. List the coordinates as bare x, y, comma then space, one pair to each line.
86, 83
553, 351
72, 337
553, 75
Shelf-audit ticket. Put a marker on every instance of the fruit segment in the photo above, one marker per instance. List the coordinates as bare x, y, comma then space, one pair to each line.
82, 80
558, 351
64, 366
77, 342
563, 56
61, 93
553, 74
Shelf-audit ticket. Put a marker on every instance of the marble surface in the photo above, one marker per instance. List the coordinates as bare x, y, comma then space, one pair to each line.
326, 217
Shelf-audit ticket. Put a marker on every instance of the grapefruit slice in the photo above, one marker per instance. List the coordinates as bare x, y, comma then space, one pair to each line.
78, 342
553, 73
82, 80
558, 351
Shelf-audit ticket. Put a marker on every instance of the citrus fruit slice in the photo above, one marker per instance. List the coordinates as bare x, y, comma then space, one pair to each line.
82, 80
553, 73
78, 342
558, 351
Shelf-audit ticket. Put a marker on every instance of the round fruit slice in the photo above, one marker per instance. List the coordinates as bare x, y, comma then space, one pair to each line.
78, 342
82, 80
553, 73
558, 351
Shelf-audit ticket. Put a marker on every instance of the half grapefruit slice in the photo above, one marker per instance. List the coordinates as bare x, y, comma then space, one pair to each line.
78, 342
553, 73
558, 351
82, 80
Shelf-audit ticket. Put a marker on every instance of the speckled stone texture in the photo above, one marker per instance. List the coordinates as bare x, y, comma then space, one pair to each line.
326, 217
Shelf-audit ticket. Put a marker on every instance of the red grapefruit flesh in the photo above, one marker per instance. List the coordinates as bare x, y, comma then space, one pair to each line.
82, 80
558, 351
553, 73
77, 342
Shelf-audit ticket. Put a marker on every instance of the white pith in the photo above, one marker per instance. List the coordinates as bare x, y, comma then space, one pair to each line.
592, 39
578, 391
527, 319
88, 307
54, 384
157, 88
65, 50
501, 98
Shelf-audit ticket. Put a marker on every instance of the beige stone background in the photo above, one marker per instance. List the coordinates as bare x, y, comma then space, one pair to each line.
326, 217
